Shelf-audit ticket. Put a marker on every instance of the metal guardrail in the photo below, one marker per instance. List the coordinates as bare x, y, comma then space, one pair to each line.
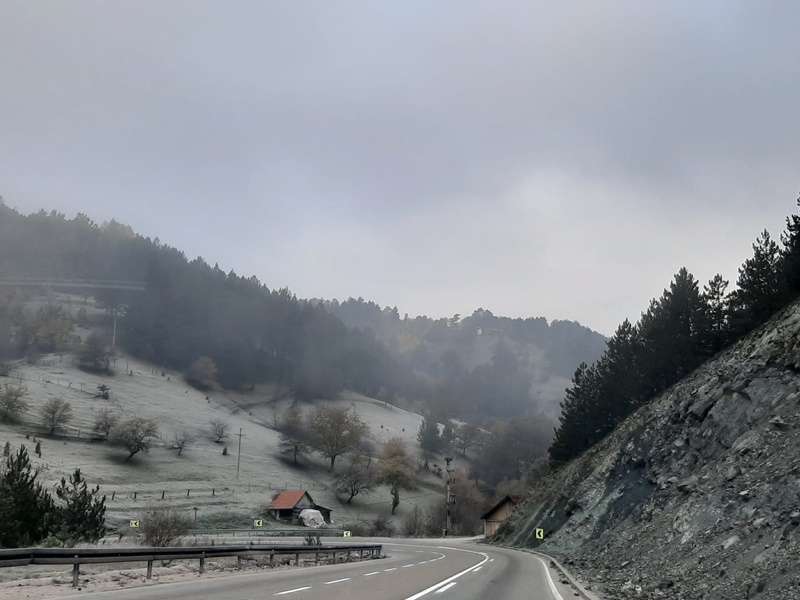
258, 532
19, 557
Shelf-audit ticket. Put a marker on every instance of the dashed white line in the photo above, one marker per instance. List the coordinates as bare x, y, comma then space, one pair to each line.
390, 570
337, 581
406, 566
452, 578
478, 569
369, 574
300, 589
445, 588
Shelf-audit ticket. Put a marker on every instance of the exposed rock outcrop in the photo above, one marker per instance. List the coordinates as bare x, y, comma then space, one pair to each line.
697, 494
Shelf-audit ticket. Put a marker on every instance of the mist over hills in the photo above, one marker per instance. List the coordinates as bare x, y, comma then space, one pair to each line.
481, 367
524, 363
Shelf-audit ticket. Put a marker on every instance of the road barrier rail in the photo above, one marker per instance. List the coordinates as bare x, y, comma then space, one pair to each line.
19, 557
259, 532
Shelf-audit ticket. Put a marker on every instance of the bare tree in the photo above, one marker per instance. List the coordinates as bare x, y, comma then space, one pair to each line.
104, 421
135, 435
55, 414
334, 431
358, 477
181, 440
396, 469
467, 436
294, 434
13, 403
219, 429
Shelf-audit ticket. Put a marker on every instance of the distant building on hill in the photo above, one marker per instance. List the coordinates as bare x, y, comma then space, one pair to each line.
286, 506
498, 514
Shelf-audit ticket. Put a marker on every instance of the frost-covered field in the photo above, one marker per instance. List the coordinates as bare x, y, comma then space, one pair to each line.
210, 478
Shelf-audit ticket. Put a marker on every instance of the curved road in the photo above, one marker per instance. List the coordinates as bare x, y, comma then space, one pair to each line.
413, 569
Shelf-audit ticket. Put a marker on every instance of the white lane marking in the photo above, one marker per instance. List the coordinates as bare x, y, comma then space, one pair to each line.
308, 587
337, 581
553, 588
390, 570
477, 569
491, 560
406, 566
444, 582
369, 574
445, 588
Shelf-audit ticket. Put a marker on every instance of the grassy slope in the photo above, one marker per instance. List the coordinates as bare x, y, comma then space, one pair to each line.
178, 407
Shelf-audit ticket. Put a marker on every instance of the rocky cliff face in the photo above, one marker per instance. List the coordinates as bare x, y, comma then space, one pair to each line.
696, 495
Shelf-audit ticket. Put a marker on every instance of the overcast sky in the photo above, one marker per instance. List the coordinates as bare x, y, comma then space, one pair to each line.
437, 156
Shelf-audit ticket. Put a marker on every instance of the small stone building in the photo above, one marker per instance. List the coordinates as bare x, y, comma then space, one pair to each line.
286, 506
498, 514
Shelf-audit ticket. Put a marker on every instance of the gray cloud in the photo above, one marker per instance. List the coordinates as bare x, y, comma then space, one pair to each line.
437, 156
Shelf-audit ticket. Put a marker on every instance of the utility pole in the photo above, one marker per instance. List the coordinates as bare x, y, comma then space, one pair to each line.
114, 334
450, 498
239, 456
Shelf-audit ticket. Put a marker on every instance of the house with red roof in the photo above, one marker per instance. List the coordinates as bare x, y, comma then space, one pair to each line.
286, 506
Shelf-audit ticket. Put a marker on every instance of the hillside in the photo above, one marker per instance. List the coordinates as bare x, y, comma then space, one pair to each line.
139, 388
522, 365
695, 495
480, 368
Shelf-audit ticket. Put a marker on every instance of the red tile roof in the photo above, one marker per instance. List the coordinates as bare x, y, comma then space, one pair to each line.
287, 499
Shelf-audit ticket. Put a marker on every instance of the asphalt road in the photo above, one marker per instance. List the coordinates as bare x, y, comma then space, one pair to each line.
413, 569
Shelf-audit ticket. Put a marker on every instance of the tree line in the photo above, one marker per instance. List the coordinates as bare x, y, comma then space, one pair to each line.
680, 330
188, 310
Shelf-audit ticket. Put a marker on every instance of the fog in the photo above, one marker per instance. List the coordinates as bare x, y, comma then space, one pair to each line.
519, 156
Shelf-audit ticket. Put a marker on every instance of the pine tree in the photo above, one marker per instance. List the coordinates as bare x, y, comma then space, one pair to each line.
674, 333
576, 430
760, 287
790, 255
619, 378
82, 514
716, 299
26, 509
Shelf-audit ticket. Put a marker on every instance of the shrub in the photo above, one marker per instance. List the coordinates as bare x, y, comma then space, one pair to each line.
13, 403
219, 430
163, 526
55, 414
381, 527
105, 421
202, 373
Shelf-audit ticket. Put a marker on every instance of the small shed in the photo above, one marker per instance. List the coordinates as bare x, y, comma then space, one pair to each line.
286, 506
498, 514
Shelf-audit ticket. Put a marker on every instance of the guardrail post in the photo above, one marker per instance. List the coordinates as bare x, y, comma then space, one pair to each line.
272, 558
76, 572
316, 557
202, 563
361, 554
149, 569
238, 561
297, 559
